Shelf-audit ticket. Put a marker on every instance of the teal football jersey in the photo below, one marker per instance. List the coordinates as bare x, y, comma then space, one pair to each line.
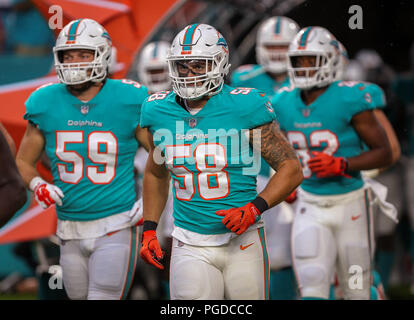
210, 159
91, 146
325, 125
376, 94
255, 76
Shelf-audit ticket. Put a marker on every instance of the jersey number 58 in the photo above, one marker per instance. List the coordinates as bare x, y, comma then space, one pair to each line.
207, 173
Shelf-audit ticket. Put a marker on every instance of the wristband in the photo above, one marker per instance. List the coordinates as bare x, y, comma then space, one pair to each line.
260, 204
149, 225
34, 182
346, 165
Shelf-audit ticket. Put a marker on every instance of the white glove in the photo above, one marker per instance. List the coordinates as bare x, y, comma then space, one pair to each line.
136, 213
45, 193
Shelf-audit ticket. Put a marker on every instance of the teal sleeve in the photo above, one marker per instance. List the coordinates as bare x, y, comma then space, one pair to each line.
378, 99
142, 97
359, 101
34, 110
260, 111
145, 116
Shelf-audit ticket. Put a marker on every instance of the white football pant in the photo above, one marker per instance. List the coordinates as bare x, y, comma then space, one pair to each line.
238, 270
333, 233
278, 225
100, 268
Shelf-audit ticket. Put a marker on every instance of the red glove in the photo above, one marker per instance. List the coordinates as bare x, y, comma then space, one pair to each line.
151, 250
325, 165
239, 219
292, 197
45, 193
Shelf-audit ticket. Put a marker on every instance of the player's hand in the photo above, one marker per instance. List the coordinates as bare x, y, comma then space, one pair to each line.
45, 193
238, 220
151, 250
292, 197
136, 213
325, 165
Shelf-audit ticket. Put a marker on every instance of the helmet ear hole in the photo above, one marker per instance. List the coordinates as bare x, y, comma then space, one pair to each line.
60, 56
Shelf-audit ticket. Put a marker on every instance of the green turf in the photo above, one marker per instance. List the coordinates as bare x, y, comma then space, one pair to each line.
18, 296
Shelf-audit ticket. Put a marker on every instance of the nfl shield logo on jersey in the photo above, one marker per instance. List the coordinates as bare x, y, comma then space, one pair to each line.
84, 109
192, 122
306, 112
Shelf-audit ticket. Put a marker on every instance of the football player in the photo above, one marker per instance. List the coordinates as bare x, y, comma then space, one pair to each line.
273, 38
153, 68
219, 249
326, 121
88, 125
385, 179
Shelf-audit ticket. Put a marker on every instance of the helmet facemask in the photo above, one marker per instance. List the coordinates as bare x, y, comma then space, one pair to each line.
273, 60
318, 75
81, 72
156, 78
206, 82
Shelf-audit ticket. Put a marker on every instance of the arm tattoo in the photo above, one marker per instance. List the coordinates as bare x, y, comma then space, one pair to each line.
273, 145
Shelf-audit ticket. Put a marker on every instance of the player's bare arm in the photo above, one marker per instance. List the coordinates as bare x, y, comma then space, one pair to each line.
30, 151
280, 155
155, 184
12, 190
375, 137
389, 131
155, 196
142, 137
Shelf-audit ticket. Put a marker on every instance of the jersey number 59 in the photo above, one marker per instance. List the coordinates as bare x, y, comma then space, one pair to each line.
102, 149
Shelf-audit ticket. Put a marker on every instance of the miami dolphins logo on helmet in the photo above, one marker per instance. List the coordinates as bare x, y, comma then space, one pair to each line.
222, 42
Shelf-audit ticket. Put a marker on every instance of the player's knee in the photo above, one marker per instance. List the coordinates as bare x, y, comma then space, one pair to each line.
111, 275
104, 295
186, 291
312, 275
76, 294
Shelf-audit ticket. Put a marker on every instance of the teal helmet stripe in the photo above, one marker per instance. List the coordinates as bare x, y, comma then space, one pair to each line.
72, 30
188, 37
304, 37
277, 26
155, 52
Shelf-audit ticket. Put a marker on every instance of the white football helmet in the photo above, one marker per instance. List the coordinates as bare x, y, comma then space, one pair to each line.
354, 72
341, 62
113, 60
153, 67
278, 31
199, 42
313, 42
83, 34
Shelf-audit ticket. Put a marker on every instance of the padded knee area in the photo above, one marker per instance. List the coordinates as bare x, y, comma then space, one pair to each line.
312, 275
306, 243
